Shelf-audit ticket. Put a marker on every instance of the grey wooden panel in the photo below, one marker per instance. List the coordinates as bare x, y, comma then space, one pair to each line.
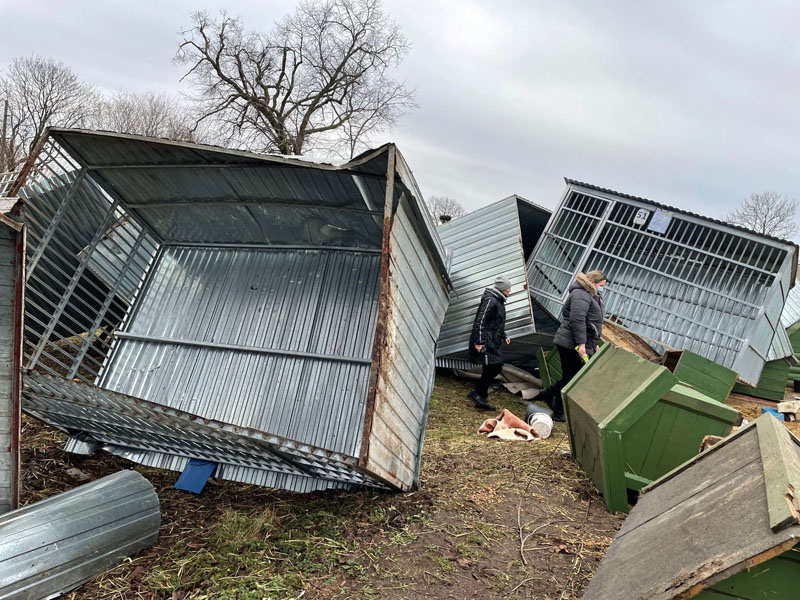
698, 526
710, 472
691, 542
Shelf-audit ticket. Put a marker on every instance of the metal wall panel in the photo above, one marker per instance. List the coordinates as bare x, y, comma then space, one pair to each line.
301, 301
53, 546
418, 300
698, 285
75, 293
486, 243
303, 484
791, 310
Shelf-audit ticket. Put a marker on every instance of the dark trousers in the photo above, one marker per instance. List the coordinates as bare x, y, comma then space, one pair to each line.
571, 363
487, 376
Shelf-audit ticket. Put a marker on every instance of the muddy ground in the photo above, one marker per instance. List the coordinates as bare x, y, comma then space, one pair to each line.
491, 519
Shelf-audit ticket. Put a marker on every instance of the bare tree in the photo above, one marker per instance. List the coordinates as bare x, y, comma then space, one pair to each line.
442, 207
770, 213
146, 113
320, 78
40, 92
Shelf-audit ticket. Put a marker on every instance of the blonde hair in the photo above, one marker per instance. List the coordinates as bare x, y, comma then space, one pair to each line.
596, 276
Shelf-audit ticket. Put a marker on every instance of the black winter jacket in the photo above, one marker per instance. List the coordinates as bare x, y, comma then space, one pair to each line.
489, 328
581, 318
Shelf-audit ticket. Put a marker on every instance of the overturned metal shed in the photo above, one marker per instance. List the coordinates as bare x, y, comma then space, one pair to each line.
278, 315
494, 240
684, 281
722, 525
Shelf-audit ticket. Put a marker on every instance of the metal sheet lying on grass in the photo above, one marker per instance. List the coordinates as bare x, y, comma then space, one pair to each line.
51, 547
682, 280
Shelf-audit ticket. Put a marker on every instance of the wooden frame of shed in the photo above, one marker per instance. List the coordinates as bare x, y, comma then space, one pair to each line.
12, 304
723, 525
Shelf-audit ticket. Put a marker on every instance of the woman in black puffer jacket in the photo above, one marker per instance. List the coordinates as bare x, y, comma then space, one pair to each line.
486, 340
579, 334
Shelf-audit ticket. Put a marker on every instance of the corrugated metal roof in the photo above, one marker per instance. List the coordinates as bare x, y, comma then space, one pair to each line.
676, 210
52, 546
203, 194
486, 243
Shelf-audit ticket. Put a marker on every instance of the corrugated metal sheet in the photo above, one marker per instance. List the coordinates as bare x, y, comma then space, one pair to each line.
226, 301
791, 310
486, 243
274, 479
53, 546
133, 424
258, 310
781, 347
692, 284
405, 370
448, 362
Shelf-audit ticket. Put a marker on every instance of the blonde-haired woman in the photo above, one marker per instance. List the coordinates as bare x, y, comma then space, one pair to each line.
578, 335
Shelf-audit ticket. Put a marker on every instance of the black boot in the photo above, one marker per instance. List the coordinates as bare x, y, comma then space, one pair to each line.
484, 405
480, 401
557, 406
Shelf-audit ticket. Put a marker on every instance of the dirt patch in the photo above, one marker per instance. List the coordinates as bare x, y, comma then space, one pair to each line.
491, 519
750, 408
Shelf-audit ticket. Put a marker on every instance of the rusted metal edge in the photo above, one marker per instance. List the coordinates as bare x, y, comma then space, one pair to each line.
384, 312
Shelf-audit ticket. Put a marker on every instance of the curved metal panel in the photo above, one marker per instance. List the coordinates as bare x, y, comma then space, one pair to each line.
55, 545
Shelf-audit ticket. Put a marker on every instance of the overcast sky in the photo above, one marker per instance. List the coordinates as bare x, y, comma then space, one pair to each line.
693, 104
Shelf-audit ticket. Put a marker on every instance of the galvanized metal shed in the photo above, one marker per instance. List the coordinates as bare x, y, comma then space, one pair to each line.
494, 240
682, 280
273, 314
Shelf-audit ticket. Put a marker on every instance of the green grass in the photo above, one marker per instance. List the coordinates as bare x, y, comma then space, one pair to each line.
458, 529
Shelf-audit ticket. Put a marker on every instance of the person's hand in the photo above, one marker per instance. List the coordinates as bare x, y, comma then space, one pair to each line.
582, 350
508, 340
479, 347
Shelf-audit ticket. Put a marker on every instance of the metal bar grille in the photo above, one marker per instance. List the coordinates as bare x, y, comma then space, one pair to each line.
86, 260
684, 282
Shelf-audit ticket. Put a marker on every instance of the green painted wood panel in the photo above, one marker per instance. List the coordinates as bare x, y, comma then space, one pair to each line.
549, 366
771, 385
776, 578
703, 374
631, 421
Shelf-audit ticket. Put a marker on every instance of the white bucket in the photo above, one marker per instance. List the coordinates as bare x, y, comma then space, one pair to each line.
542, 425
